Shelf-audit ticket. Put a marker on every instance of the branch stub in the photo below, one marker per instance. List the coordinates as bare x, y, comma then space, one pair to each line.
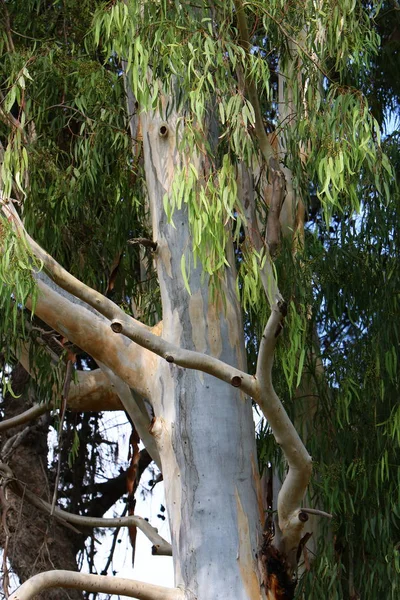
163, 131
116, 326
169, 358
282, 305
236, 381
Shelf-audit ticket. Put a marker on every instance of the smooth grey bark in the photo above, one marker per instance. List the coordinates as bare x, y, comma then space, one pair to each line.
204, 427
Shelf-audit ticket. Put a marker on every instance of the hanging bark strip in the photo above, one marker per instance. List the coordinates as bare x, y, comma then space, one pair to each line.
132, 483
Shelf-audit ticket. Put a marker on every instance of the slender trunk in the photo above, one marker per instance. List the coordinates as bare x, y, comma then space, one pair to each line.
206, 432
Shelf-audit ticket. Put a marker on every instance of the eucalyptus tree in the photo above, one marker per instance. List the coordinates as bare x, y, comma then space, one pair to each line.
159, 163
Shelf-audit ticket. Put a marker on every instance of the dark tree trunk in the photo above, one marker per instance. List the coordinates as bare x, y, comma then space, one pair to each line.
37, 542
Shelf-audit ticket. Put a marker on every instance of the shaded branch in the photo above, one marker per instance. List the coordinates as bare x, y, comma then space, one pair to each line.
28, 415
145, 242
140, 420
263, 141
253, 231
273, 231
89, 391
95, 583
7, 27
106, 493
160, 546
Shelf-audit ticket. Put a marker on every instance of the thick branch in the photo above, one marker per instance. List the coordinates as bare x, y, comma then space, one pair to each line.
90, 390
94, 583
92, 333
299, 461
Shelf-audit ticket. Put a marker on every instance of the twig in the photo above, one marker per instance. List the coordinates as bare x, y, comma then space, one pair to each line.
143, 242
316, 511
113, 545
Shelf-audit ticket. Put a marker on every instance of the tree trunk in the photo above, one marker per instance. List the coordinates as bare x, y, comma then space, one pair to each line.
37, 542
206, 432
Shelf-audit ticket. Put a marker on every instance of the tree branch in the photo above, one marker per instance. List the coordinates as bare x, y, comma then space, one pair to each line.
160, 545
299, 461
317, 512
263, 141
91, 332
95, 583
28, 415
90, 390
140, 420
64, 279
185, 358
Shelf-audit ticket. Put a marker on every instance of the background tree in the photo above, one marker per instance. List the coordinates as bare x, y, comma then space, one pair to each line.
220, 168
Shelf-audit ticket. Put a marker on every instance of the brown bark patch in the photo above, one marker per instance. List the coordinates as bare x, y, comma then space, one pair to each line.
257, 482
277, 580
246, 562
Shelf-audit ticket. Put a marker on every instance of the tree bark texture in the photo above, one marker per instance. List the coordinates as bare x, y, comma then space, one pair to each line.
204, 427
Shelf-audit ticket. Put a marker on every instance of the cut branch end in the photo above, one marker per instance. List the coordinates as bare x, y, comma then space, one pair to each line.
116, 326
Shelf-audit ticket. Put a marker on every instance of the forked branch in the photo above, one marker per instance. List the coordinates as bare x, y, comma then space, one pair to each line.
50, 305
